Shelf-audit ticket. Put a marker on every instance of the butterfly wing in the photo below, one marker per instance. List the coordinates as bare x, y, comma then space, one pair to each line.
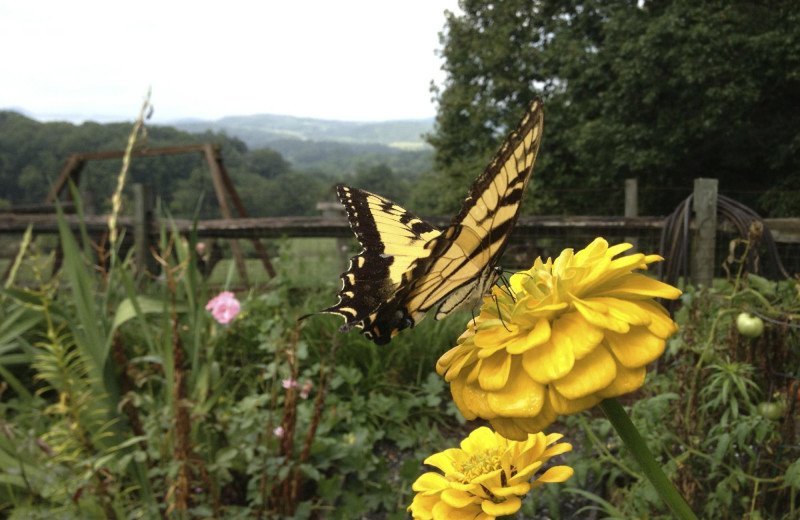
459, 264
392, 239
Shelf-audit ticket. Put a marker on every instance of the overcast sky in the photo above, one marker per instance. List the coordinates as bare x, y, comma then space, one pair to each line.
367, 60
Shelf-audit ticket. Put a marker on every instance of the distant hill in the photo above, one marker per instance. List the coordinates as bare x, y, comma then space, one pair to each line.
327, 145
258, 131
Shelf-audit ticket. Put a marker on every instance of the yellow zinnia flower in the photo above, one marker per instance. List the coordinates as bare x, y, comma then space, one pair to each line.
565, 335
487, 477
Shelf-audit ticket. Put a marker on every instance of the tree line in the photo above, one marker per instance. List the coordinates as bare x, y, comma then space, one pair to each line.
663, 91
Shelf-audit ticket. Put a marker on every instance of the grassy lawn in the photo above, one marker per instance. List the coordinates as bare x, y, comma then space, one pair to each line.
309, 262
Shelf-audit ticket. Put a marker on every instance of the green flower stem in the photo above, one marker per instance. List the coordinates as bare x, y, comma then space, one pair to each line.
630, 436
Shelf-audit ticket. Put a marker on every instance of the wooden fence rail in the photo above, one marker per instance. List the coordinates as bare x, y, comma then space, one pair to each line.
785, 230
295, 227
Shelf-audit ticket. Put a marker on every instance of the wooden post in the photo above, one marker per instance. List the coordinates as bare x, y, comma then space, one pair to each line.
219, 188
632, 208
704, 205
142, 221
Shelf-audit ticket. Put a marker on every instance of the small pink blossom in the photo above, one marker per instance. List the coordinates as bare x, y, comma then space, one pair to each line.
224, 307
305, 390
278, 431
289, 383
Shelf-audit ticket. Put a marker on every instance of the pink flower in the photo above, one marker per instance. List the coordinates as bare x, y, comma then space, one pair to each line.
289, 383
278, 431
305, 390
224, 307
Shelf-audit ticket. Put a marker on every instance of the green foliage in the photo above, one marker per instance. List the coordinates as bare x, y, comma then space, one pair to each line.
704, 415
660, 91
192, 429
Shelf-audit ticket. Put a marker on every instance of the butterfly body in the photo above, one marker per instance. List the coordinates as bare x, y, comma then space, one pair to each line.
407, 266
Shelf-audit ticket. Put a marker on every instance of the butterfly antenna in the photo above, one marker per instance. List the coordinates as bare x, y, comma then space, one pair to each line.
506, 285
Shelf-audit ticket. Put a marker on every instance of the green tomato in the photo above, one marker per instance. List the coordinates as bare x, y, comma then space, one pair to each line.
749, 325
772, 410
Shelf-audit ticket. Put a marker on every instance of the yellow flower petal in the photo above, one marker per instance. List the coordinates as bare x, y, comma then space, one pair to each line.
422, 506
521, 397
563, 406
474, 372
637, 284
661, 325
512, 428
494, 372
590, 374
442, 460
430, 482
481, 438
572, 328
470, 400
550, 361
525, 472
517, 489
554, 474
507, 507
495, 336
628, 311
636, 348
597, 314
536, 337
443, 511
459, 499
451, 367
627, 380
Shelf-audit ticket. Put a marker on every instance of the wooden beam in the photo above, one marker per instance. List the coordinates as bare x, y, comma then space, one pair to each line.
237, 202
632, 209
147, 152
76, 161
785, 230
704, 205
219, 188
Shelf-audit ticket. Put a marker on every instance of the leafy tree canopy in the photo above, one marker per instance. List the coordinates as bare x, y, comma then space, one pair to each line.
662, 91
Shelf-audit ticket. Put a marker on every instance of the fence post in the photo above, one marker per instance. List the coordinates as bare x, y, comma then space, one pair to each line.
142, 219
704, 205
632, 208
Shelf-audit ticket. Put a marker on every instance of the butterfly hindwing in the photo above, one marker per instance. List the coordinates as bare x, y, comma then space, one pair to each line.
392, 238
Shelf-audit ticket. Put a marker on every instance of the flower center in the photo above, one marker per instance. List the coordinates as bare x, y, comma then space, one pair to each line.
481, 463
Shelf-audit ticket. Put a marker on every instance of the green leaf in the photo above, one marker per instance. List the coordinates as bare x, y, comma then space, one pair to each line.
762, 285
310, 472
126, 310
721, 450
